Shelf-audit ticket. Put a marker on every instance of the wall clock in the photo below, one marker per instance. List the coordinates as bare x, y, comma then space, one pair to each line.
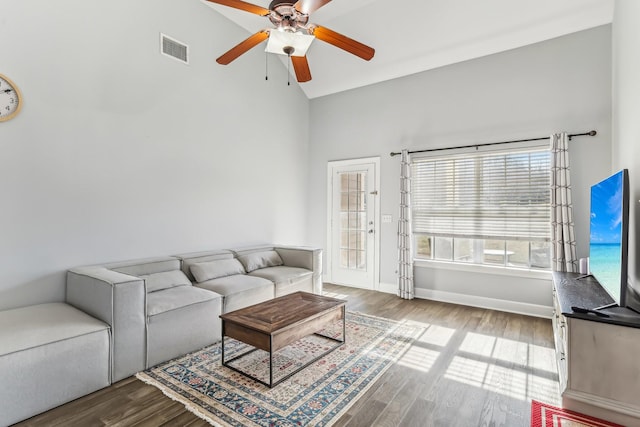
10, 99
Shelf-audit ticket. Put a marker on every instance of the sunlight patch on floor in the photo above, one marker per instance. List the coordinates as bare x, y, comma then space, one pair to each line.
512, 351
482, 345
467, 371
544, 390
543, 358
505, 381
437, 335
419, 358
335, 295
513, 383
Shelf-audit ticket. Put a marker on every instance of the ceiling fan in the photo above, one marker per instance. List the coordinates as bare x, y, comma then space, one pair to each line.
292, 34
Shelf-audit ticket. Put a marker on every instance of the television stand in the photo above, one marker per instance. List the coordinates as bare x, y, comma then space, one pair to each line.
597, 356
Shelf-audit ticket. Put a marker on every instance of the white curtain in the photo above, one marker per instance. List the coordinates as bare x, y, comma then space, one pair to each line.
405, 238
563, 243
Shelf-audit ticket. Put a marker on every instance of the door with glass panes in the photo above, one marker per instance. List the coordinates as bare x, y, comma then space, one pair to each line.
353, 225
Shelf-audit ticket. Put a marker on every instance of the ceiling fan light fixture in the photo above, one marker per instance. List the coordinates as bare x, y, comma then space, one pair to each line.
281, 42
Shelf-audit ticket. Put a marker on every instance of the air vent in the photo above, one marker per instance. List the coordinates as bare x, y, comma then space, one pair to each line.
174, 48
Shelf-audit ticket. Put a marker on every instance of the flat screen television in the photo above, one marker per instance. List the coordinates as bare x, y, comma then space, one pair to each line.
609, 235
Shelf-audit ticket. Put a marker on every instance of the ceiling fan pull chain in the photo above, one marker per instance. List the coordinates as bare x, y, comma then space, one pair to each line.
266, 66
289, 70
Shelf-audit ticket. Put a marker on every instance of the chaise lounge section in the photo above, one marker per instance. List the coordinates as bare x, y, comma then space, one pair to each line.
50, 354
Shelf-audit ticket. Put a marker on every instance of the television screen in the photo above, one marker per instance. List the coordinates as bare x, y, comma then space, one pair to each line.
609, 233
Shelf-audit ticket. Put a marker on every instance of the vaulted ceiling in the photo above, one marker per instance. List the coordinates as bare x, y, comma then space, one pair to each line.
411, 36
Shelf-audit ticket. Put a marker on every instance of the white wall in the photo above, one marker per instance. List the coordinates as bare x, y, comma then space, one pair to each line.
122, 153
561, 84
626, 116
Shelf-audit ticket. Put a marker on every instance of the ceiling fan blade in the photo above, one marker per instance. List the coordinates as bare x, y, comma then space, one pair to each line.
301, 67
309, 6
242, 47
343, 42
243, 5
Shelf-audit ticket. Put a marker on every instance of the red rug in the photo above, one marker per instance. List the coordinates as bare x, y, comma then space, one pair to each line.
543, 415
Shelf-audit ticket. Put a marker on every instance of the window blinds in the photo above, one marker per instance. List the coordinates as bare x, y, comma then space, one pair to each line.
493, 195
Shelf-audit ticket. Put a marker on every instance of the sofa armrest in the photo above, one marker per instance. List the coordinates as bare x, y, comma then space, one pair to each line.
304, 257
120, 301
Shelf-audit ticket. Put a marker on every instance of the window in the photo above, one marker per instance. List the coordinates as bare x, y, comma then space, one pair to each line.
353, 220
490, 208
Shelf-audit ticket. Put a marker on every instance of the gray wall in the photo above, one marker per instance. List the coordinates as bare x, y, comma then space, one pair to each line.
626, 116
560, 84
121, 153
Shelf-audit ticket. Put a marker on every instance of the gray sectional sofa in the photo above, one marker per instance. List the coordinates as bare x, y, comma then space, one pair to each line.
121, 318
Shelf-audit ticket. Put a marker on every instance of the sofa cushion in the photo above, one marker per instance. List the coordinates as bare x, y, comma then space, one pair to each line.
165, 280
240, 291
196, 257
204, 271
282, 274
263, 259
175, 298
37, 325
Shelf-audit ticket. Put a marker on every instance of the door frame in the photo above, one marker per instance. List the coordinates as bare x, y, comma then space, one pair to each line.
376, 216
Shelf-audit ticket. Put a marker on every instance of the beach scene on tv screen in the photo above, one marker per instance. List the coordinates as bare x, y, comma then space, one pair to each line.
605, 245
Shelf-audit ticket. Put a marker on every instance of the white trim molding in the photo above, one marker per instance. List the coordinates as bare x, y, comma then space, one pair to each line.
601, 407
527, 309
534, 310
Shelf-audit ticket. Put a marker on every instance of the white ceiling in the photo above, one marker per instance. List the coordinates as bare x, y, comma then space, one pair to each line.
411, 36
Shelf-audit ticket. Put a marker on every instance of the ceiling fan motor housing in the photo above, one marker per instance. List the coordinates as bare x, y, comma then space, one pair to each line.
286, 18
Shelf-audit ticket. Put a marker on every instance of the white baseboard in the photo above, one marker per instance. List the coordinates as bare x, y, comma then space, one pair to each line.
607, 405
485, 302
475, 301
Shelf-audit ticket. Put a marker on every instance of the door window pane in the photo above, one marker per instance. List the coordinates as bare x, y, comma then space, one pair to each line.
353, 220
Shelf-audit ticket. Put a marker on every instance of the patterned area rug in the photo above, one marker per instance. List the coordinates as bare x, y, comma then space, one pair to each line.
316, 396
543, 415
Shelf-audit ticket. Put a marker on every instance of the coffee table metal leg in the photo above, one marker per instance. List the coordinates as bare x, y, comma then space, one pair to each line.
344, 323
222, 354
270, 362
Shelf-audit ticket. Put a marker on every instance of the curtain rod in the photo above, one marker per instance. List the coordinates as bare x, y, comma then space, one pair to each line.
590, 133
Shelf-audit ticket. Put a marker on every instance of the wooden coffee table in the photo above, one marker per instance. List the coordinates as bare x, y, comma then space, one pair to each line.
274, 324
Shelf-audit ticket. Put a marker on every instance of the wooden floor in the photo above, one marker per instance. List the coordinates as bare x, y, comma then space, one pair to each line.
471, 367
